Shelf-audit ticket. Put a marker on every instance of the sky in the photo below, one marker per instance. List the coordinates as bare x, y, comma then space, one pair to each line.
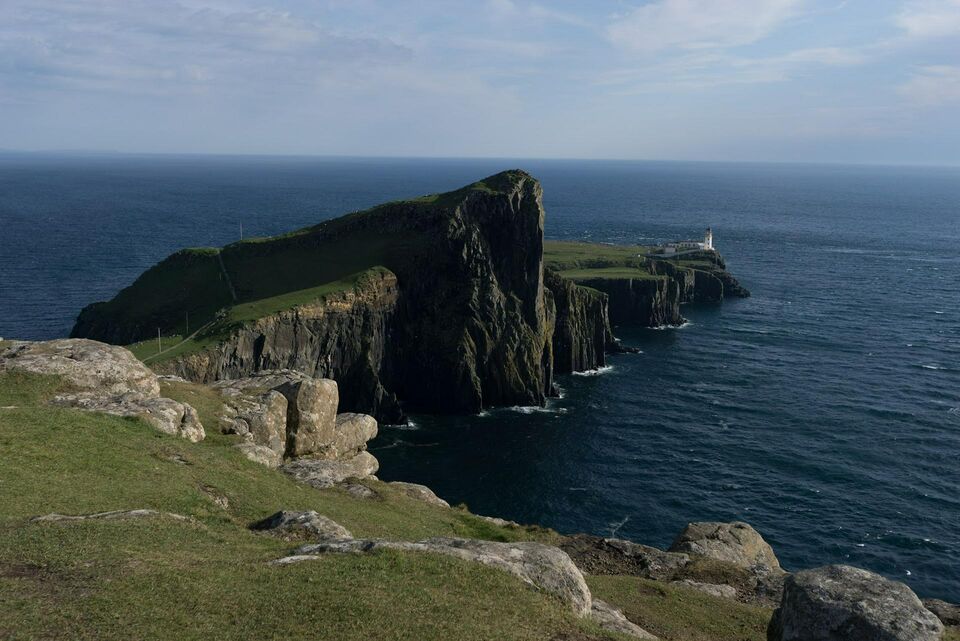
873, 81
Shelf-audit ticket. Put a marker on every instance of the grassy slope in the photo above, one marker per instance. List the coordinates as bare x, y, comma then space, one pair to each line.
580, 261
209, 578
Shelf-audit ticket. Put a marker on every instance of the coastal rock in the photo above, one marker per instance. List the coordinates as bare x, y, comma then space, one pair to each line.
736, 543
713, 589
299, 525
948, 613
260, 454
581, 327
351, 433
839, 603
543, 566
597, 555
84, 364
420, 492
324, 473
261, 417
609, 618
647, 302
167, 415
311, 415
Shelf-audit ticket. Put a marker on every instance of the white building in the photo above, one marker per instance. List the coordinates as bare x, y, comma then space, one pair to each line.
690, 245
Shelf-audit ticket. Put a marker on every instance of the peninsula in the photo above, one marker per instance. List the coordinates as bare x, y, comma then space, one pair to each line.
448, 303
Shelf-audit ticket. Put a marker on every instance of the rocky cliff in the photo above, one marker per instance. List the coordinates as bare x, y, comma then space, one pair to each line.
345, 337
450, 313
581, 334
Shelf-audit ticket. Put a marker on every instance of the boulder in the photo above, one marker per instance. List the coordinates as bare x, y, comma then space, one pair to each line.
420, 492
324, 473
311, 415
609, 618
298, 525
735, 543
351, 433
543, 566
261, 417
165, 414
84, 364
948, 613
597, 555
840, 603
260, 454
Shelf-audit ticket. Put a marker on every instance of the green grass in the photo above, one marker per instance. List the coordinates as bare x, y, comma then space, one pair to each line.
581, 261
208, 578
951, 634
676, 613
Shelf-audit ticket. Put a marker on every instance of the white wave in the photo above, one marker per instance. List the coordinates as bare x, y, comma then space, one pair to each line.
595, 372
939, 312
536, 409
683, 325
484, 414
561, 393
933, 367
408, 427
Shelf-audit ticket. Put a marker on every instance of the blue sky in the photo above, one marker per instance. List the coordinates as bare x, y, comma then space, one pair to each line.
781, 80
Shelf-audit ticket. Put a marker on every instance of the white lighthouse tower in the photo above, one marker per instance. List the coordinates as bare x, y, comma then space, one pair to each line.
708, 239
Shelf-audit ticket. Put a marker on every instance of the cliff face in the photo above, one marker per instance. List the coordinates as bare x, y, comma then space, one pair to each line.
460, 321
344, 337
650, 302
582, 334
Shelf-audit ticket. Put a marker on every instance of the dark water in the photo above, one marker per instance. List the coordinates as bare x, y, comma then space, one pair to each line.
824, 410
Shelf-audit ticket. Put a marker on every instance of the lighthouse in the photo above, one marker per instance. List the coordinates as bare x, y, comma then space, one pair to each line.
708, 239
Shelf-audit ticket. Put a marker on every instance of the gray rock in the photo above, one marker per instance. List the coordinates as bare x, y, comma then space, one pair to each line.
948, 613
713, 589
351, 433
358, 490
311, 415
736, 543
597, 555
261, 416
609, 618
324, 473
165, 414
543, 566
842, 603
302, 524
84, 364
420, 492
496, 520
113, 515
260, 454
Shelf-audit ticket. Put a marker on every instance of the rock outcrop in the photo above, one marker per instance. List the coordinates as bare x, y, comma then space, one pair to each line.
840, 603
948, 613
302, 525
737, 543
104, 378
287, 415
420, 492
597, 555
648, 302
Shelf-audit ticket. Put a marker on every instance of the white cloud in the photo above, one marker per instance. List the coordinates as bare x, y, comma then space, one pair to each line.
699, 24
925, 19
933, 86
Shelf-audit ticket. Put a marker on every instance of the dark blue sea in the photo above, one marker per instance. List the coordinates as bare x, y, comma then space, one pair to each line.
824, 410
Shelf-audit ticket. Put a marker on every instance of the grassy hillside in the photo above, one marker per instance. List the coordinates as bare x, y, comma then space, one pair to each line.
209, 577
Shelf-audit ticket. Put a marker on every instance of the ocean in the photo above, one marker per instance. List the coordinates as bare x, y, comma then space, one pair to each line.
824, 410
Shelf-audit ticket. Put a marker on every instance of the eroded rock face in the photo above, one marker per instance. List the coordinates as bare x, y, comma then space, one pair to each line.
543, 566
324, 473
841, 603
108, 379
948, 613
84, 364
597, 555
294, 525
736, 543
167, 415
261, 417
